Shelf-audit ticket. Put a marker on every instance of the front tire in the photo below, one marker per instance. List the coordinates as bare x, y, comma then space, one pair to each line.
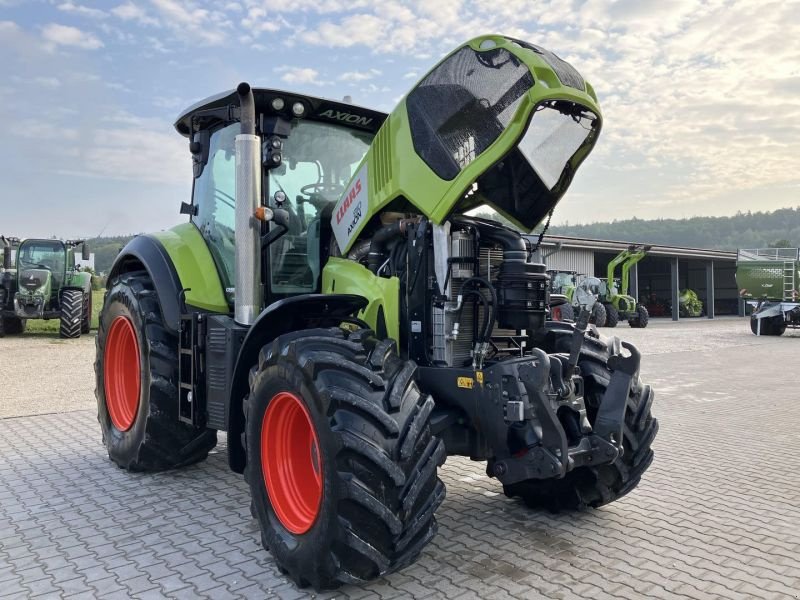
71, 314
350, 493
598, 314
136, 371
612, 315
641, 319
595, 486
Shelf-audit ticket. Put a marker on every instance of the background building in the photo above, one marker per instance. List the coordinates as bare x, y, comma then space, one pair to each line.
658, 279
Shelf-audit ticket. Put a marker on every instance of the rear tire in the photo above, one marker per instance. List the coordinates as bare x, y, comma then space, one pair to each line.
778, 326
612, 315
136, 371
595, 486
769, 325
369, 478
71, 314
598, 314
642, 317
86, 321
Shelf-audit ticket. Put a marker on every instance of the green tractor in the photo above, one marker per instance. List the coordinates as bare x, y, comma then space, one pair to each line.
614, 292
45, 284
689, 304
331, 307
9, 322
579, 293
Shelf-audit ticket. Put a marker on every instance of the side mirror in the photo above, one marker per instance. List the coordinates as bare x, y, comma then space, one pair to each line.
85, 254
199, 150
7, 257
280, 218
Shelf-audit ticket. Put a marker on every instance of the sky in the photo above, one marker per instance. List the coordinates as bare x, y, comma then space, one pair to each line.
701, 99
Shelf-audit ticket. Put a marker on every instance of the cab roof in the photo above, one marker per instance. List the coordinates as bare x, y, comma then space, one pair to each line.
224, 108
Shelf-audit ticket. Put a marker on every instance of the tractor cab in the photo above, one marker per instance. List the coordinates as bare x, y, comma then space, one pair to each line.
310, 150
41, 269
562, 281
45, 269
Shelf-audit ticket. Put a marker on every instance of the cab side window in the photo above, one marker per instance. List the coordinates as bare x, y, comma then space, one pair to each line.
214, 196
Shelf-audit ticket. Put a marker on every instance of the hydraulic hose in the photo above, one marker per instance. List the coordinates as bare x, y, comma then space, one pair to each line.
381, 238
491, 314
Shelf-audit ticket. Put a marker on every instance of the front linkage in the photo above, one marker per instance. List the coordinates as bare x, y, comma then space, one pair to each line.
531, 411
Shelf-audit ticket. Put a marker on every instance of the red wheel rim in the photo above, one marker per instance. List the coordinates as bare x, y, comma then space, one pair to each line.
121, 373
291, 462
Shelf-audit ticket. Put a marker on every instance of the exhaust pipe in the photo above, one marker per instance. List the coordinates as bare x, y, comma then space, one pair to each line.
6, 252
248, 298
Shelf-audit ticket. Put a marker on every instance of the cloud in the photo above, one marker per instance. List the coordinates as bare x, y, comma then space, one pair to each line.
133, 12
37, 129
359, 75
81, 10
137, 155
64, 35
194, 23
48, 82
300, 75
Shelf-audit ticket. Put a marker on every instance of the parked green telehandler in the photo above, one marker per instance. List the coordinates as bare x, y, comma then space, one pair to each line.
44, 283
581, 292
332, 308
614, 292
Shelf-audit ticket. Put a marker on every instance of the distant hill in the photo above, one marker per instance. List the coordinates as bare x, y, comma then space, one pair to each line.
743, 230
106, 249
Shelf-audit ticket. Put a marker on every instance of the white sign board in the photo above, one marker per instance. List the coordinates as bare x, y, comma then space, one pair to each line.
351, 210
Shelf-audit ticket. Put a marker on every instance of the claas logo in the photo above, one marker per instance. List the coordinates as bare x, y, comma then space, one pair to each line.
354, 191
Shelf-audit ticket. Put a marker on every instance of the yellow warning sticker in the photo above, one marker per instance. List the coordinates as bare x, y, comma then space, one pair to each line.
479, 376
465, 382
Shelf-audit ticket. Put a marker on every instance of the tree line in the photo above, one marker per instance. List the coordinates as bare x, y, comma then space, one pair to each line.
743, 230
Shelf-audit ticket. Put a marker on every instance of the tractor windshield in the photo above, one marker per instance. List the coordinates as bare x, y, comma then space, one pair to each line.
46, 255
562, 279
318, 161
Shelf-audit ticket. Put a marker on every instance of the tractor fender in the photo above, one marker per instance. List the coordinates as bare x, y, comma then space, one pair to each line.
79, 281
284, 316
145, 252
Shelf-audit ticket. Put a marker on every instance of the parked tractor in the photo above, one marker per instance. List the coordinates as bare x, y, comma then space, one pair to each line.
332, 308
614, 292
44, 283
8, 277
580, 292
689, 305
769, 281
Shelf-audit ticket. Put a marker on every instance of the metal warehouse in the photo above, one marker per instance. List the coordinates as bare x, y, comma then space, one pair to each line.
659, 278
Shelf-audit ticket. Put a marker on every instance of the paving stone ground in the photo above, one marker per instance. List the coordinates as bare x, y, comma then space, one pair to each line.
717, 515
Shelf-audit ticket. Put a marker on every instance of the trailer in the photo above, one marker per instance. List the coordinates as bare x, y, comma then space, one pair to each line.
768, 280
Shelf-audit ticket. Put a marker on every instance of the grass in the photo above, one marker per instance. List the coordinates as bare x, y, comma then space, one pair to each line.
51, 326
